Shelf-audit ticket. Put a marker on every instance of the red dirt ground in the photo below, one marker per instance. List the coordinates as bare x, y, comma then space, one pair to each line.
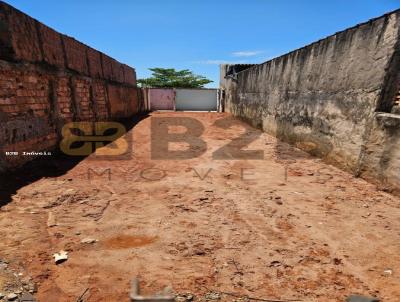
313, 233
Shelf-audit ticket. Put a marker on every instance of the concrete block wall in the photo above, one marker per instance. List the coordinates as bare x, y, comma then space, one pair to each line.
325, 98
48, 79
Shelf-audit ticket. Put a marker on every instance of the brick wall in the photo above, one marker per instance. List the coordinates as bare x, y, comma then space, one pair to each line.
48, 79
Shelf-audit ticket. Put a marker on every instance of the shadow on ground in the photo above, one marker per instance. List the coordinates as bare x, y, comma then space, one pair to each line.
57, 165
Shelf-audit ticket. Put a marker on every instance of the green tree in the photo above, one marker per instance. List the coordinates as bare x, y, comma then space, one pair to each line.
171, 78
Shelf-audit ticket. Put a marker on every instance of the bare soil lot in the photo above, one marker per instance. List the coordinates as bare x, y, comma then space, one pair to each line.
285, 227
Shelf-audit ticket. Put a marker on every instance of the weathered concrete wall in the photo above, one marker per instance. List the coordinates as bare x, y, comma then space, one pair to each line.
324, 97
380, 160
47, 80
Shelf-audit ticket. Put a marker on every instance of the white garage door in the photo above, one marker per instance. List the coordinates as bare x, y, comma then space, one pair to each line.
196, 99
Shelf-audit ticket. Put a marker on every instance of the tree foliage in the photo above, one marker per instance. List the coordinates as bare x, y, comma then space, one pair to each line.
171, 78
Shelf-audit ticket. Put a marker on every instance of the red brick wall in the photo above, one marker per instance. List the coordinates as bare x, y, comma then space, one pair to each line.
23, 91
81, 91
48, 79
19, 35
107, 66
75, 55
94, 61
123, 100
129, 75
26, 122
51, 42
63, 95
23, 38
100, 100
117, 72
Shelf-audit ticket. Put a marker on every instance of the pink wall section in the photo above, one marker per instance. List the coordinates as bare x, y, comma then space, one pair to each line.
162, 99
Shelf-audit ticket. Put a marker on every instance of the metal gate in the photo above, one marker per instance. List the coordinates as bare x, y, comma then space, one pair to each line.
182, 99
196, 99
161, 99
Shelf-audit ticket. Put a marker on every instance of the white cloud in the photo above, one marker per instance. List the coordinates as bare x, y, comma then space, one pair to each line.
219, 62
250, 53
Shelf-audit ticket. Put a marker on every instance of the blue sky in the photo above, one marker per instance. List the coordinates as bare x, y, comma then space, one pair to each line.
200, 34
